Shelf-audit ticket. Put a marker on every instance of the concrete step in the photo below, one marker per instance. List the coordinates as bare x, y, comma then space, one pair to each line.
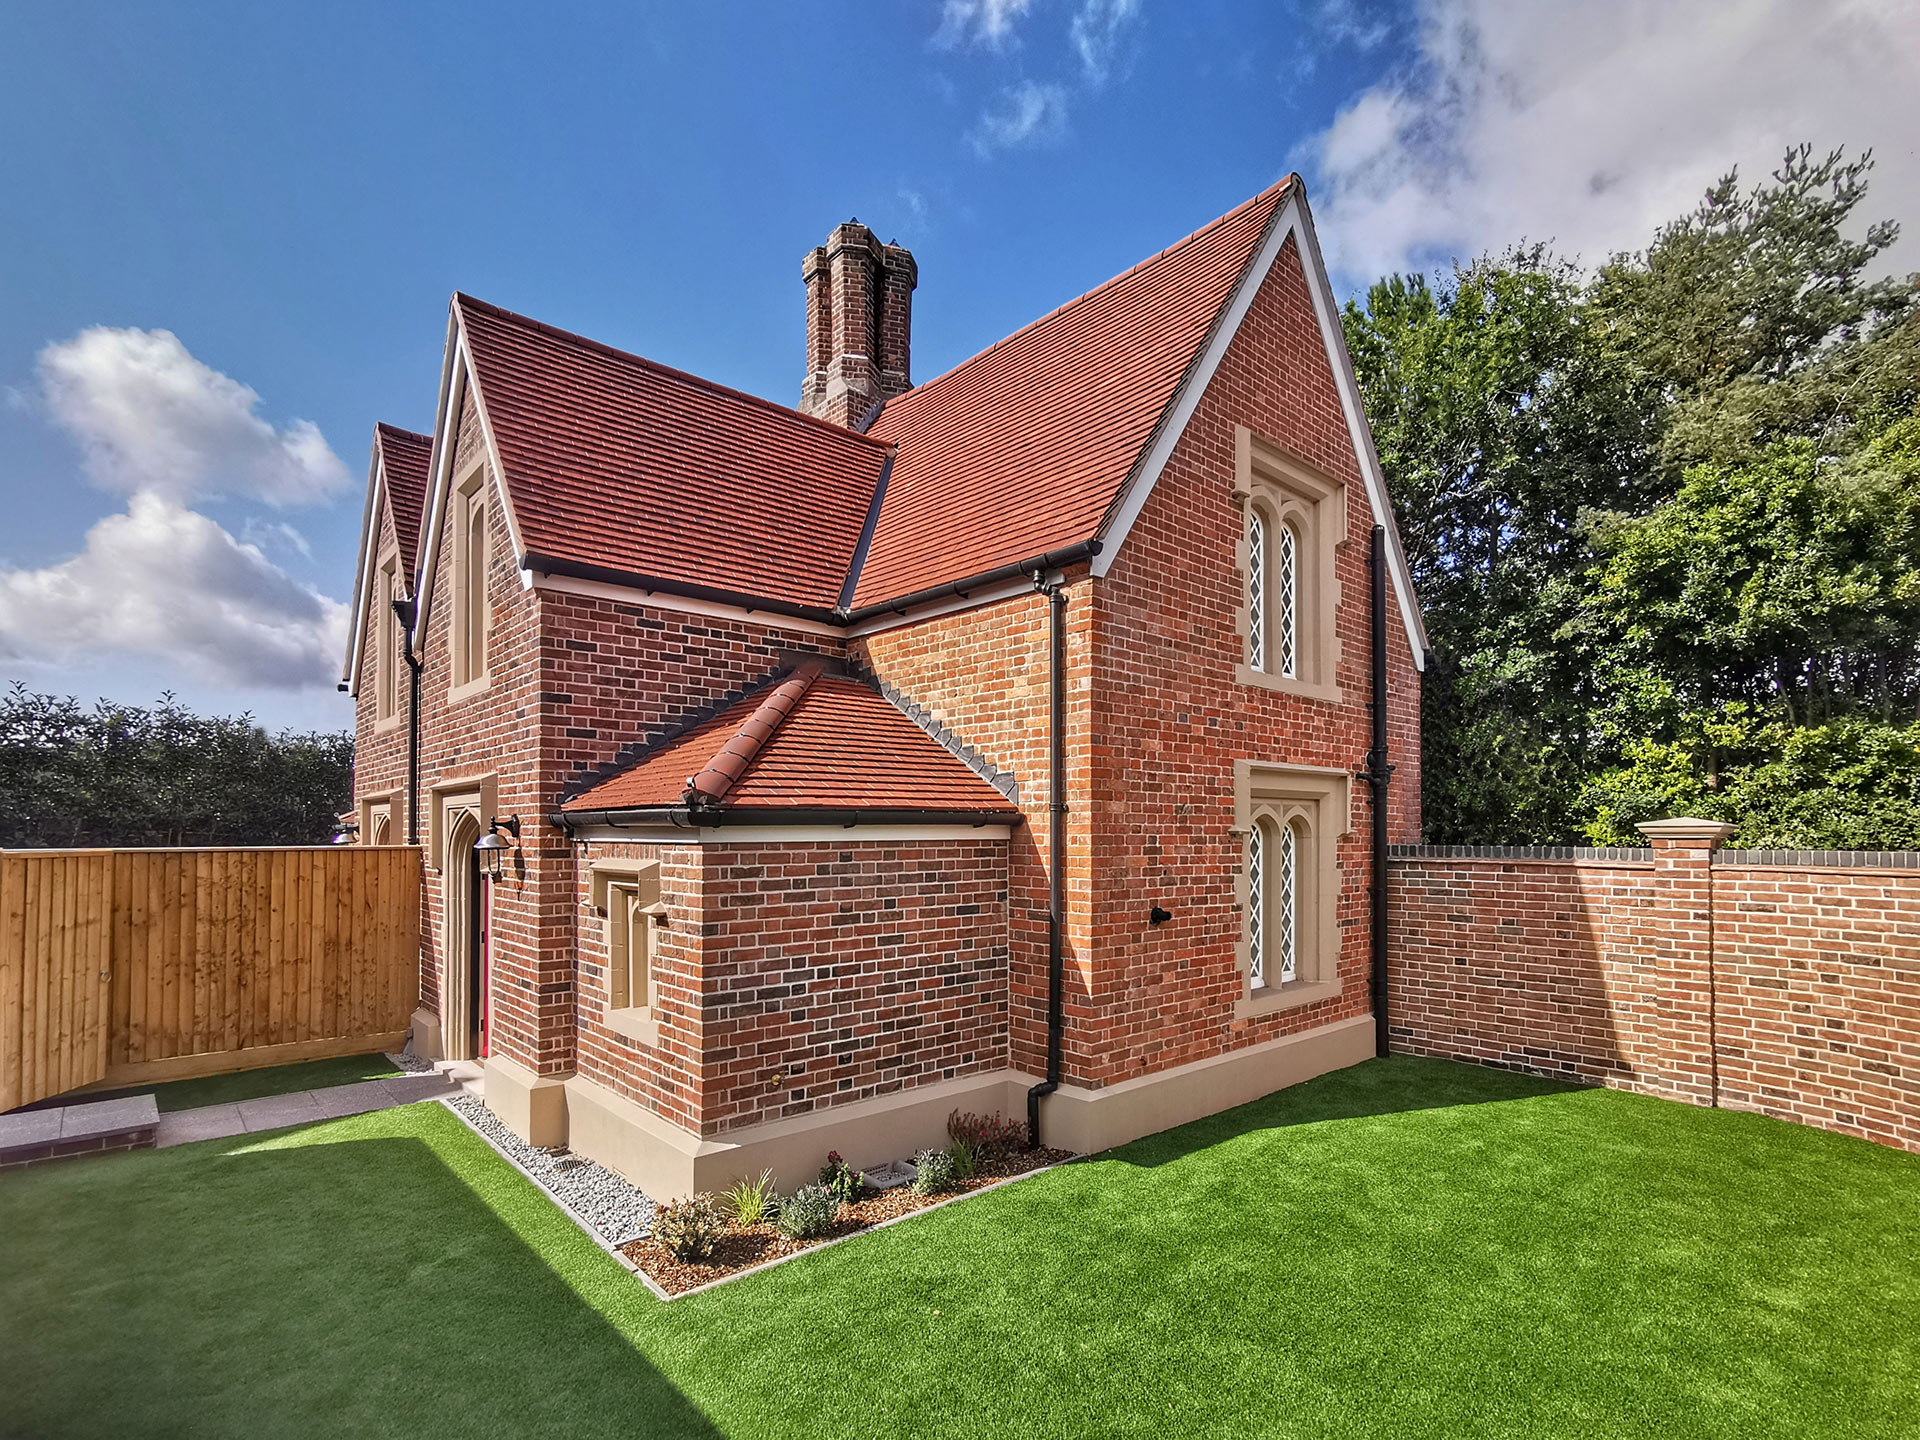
91, 1128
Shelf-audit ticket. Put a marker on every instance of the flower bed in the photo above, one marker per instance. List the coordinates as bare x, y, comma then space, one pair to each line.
741, 1247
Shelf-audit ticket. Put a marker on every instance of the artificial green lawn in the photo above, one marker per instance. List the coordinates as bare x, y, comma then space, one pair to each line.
1408, 1248
273, 1080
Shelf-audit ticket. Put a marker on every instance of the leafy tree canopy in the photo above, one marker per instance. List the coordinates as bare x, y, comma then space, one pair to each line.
1664, 519
121, 775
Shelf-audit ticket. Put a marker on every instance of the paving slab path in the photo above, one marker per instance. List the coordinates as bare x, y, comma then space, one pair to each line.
271, 1112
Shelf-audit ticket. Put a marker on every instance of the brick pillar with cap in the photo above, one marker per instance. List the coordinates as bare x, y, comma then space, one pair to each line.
1683, 991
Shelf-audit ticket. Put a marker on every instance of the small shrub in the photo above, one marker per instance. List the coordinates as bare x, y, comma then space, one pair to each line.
688, 1228
989, 1137
846, 1183
809, 1211
754, 1201
966, 1160
935, 1173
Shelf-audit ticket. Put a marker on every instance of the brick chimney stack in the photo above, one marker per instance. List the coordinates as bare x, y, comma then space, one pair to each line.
859, 324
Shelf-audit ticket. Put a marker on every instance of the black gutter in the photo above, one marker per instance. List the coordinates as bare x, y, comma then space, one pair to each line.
627, 579
404, 611
1051, 560
1056, 835
819, 614
1377, 773
687, 818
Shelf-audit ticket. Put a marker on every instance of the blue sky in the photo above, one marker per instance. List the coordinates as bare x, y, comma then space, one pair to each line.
292, 193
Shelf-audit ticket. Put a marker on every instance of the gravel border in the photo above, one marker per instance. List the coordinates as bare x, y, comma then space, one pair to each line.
411, 1063
601, 1200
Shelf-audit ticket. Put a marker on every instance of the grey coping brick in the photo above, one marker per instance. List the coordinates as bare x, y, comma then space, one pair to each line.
270, 1112
208, 1122
34, 1127
108, 1117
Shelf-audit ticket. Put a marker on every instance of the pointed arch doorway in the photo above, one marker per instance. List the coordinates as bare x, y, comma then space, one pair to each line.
467, 921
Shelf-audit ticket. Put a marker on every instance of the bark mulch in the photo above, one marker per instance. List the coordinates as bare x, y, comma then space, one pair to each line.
742, 1246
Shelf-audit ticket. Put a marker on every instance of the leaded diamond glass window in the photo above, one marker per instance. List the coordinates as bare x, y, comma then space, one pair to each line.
1286, 921
1256, 908
1287, 603
1257, 591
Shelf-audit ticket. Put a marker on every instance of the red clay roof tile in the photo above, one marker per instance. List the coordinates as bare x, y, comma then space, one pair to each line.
404, 458
1021, 449
840, 745
615, 462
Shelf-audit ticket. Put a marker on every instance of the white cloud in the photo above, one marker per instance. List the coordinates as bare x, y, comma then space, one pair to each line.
1589, 123
978, 22
162, 582
1029, 113
151, 418
1099, 32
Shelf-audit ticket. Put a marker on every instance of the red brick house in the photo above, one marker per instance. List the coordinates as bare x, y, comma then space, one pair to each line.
769, 708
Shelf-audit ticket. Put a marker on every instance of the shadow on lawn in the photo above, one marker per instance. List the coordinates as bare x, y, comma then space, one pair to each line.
354, 1287
1390, 1086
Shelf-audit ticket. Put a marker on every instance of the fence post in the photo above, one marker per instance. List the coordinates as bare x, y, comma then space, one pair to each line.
1684, 992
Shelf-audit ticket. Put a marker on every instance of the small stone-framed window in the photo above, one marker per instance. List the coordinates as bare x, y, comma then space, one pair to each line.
627, 896
1289, 820
1294, 518
472, 613
390, 641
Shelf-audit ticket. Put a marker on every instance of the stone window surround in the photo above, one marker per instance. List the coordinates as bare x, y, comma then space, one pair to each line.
380, 803
387, 642
1318, 801
608, 880
1287, 491
470, 494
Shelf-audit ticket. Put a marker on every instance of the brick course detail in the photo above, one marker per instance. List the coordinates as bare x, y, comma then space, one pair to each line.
1790, 990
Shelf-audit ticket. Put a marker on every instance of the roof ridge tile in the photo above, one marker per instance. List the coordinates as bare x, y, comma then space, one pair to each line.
710, 785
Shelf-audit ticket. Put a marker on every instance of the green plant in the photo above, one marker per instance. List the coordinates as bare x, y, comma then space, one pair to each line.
754, 1201
810, 1211
935, 1172
846, 1183
688, 1228
987, 1137
966, 1159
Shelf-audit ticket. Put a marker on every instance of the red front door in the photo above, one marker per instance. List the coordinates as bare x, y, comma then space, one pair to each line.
483, 996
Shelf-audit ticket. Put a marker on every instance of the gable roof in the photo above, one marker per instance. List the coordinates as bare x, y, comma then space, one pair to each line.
615, 464
1041, 450
1021, 449
812, 742
403, 458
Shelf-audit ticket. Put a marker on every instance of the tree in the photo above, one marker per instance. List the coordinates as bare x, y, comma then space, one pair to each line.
122, 775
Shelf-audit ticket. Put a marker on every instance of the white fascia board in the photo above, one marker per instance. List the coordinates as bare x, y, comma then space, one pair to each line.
784, 834
685, 604
363, 569
1291, 219
446, 439
973, 600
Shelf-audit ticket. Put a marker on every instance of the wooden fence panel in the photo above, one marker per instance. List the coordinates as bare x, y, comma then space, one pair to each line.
136, 966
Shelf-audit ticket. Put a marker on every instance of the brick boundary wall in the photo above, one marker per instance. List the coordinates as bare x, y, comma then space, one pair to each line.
1783, 982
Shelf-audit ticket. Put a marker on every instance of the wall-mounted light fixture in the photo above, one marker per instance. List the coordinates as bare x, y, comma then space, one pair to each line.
492, 848
348, 832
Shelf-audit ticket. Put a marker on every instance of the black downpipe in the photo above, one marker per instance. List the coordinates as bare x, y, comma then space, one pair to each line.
1056, 841
1377, 773
404, 610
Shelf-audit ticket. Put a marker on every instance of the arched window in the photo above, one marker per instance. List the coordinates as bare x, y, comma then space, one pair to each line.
1257, 590
1286, 603
1256, 907
1286, 903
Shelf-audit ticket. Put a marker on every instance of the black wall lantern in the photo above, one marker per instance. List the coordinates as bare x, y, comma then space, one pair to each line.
492, 849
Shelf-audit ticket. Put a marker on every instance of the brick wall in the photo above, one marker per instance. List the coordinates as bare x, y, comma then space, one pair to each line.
795, 976
1790, 989
1170, 717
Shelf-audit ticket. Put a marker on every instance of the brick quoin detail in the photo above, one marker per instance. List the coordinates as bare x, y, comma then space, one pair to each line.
1791, 990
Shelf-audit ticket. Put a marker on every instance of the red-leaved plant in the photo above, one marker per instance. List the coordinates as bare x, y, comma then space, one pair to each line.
990, 1137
